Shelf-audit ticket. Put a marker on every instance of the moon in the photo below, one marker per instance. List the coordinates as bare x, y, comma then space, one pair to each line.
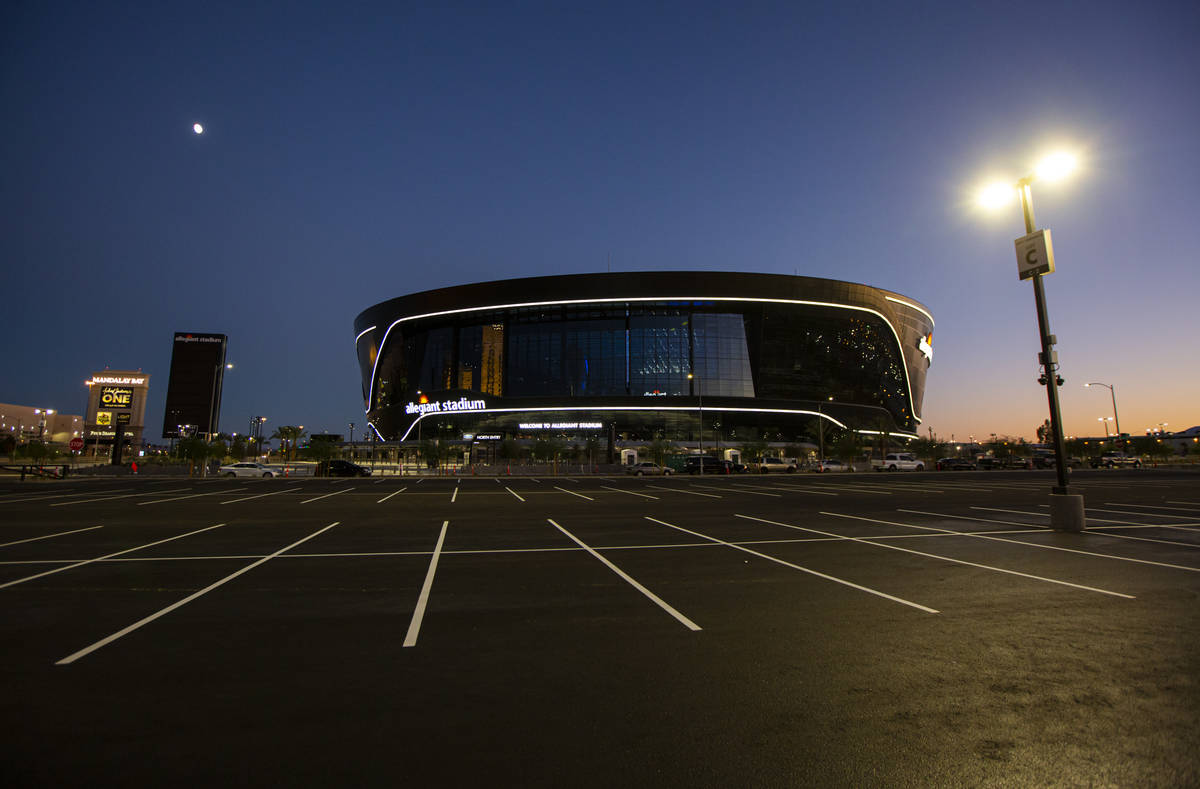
197, 128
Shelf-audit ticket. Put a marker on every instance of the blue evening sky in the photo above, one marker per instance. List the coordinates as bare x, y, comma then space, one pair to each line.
356, 152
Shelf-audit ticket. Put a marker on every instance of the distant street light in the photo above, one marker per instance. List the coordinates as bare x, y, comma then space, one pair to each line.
1112, 390
1035, 259
1105, 420
821, 427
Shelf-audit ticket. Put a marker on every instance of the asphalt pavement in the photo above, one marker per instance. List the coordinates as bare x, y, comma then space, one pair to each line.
779, 630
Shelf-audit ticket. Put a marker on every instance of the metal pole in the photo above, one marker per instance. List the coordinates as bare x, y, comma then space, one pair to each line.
1112, 390
821, 431
1039, 295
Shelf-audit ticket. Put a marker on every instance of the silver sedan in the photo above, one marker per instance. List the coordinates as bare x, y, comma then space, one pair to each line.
247, 470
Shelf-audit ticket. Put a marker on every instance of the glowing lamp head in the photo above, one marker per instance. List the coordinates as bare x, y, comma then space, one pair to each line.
196, 127
996, 195
1056, 166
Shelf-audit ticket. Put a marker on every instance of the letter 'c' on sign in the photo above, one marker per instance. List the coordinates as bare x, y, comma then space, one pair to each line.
1031, 256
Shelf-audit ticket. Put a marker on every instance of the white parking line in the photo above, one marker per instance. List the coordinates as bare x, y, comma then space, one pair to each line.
414, 627
1190, 517
147, 620
683, 620
510, 490
938, 556
1193, 503
1030, 544
770, 558
573, 493
454, 495
108, 556
393, 493
821, 490
1191, 525
840, 487
1149, 506
192, 496
1181, 527
327, 495
110, 498
48, 536
260, 495
631, 493
742, 489
687, 492
61, 496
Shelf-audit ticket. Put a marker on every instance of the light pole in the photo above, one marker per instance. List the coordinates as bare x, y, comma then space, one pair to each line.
87, 404
1112, 391
821, 427
700, 393
1035, 259
1105, 420
212, 400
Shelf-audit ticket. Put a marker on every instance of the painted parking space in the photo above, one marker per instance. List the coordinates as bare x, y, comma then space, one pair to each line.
852, 534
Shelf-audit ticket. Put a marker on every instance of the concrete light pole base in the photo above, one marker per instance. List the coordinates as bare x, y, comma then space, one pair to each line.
1066, 512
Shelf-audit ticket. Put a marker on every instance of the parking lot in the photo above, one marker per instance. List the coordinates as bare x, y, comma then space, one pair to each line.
774, 630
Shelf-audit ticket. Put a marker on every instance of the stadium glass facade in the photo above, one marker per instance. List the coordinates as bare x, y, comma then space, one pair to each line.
636, 355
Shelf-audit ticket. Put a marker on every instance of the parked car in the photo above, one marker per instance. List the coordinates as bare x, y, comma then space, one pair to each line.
768, 465
990, 463
830, 464
1014, 461
648, 469
1115, 460
898, 461
955, 464
341, 468
1049, 461
708, 463
246, 470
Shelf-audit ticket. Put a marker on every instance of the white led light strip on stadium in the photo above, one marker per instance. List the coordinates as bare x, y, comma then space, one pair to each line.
459, 311
625, 408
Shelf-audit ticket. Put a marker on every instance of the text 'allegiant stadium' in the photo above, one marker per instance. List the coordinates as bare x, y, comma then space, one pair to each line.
461, 404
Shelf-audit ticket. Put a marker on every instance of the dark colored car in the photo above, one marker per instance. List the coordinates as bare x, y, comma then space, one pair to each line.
711, 465
341, 468
955, 464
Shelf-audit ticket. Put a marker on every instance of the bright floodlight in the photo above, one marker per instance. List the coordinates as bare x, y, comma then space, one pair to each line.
197, 128
997, 195
1056, 166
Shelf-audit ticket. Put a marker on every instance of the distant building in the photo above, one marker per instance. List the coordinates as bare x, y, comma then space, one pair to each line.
1184, 441
33, 423
193, 404
116, 399
644, 355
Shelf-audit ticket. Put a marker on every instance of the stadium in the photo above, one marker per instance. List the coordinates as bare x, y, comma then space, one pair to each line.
684, 356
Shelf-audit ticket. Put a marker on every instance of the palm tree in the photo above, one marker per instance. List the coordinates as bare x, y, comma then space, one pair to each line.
288, 436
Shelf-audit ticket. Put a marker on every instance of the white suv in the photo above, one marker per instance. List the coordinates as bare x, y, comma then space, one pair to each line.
767, 465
